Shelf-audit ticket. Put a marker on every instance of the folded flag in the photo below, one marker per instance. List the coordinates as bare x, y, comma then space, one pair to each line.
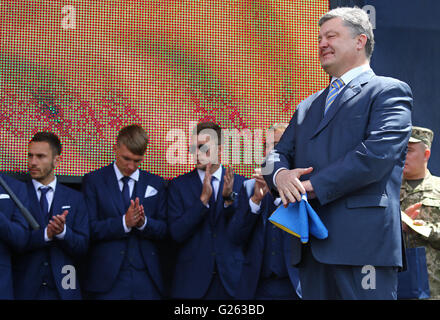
299, 219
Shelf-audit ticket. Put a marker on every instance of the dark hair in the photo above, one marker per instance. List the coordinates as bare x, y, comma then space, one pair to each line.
210, 127
134, 137
51, 138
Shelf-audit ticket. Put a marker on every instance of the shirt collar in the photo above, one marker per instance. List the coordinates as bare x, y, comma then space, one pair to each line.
119, 175
37, 184
217, 174
353, 73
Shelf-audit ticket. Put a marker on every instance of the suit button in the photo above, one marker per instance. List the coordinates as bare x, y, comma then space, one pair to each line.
212, 253
152, 253
44, 284
46, 264
122, 252
273, 253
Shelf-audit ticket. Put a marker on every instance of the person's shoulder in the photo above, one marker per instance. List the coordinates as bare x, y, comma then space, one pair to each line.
435, 181
13, 183
69, 192
98, 172
152, 178
181, 179
384, 82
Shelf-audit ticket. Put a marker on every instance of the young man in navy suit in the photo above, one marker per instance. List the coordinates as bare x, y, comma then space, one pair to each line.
48, 268
127, 208
200, 206
13, 233
345, 146
267, 270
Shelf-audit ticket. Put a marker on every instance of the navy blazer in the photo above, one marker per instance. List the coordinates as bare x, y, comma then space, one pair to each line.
202, 240
248, 229
357, 151
66, 252
13, 232
108, 238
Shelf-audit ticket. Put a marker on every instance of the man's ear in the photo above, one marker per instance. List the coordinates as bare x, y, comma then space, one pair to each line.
56, 161
362, 41
427, 154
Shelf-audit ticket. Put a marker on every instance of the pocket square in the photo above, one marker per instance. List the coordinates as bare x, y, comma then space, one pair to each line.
65, 207
150, 192
4, 196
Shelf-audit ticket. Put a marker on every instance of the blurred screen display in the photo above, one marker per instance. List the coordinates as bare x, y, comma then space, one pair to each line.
85, 69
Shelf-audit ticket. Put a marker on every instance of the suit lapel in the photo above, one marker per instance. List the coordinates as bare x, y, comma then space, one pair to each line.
35, 204
140, 188
113, 187
350, 90
195, 183
219, 202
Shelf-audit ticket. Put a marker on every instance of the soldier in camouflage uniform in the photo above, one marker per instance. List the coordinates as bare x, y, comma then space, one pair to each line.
419, 186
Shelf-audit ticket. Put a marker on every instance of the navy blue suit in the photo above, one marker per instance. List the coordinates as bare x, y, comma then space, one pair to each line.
262, 242
42, 262
201, 232
13, 233
357, 150
112, 250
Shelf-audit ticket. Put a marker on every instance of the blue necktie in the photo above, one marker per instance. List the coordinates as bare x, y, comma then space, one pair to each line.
44, 204
126, 192
212, 204
334, 90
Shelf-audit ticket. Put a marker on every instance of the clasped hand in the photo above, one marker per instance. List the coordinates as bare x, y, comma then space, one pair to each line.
291, 188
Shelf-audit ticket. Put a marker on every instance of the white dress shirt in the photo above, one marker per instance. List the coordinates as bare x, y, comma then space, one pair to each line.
255, 208
49, 197
215, 184
133, 179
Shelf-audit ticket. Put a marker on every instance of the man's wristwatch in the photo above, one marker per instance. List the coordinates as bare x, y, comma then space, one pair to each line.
232, 196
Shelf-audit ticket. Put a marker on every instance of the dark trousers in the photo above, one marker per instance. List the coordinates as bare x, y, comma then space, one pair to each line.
321, 281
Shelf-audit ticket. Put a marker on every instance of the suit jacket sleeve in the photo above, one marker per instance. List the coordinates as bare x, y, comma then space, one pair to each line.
183, 222
156, 227
282, 156
105, 229
76, 240
386, 138
243, 222
15, 232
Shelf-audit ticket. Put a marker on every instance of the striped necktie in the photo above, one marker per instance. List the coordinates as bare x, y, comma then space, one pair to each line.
334, 90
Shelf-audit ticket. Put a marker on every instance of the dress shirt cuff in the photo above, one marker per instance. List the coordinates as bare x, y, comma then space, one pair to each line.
126, 229
144, 225
62, 234
275, 175
46, 238
255, 208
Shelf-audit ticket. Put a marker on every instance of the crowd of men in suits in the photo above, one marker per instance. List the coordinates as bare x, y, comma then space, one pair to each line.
344, 148
110, 233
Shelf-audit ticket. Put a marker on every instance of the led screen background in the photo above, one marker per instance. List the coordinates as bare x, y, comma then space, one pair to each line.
84, 69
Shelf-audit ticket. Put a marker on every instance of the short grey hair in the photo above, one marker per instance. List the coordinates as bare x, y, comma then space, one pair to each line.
279, 126
357, 20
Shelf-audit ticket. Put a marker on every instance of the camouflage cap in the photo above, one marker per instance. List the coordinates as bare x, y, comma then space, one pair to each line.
420, 134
